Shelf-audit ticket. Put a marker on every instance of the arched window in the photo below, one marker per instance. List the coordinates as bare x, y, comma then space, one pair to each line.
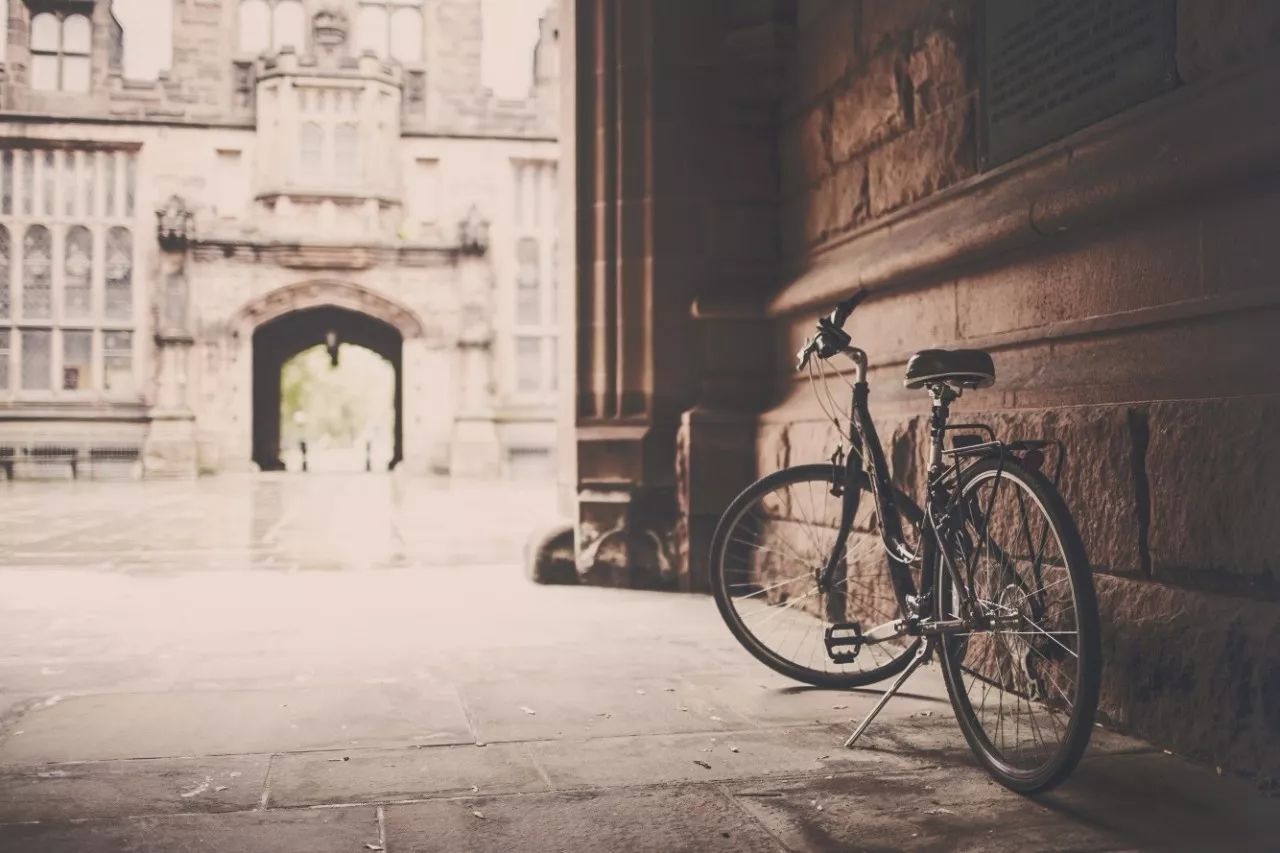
346, 152
255, 26
371, 29
119, 292
288, 26
311, 149
37, 267
77, 287
406, 35
60, 52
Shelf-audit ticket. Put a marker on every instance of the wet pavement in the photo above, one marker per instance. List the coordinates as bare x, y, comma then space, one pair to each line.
355, 663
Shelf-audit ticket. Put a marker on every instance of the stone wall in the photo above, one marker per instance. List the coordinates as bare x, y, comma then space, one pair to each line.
1123, 279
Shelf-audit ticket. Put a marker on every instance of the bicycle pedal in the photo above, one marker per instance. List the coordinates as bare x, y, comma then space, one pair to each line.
850, 638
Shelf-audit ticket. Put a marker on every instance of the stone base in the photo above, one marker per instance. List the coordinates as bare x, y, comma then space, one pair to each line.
475, 450
170, 450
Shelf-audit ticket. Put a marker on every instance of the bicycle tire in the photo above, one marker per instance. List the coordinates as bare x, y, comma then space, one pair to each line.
990, 746
824, 475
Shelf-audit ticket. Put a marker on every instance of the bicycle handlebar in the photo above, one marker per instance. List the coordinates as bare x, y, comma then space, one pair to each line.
831, 337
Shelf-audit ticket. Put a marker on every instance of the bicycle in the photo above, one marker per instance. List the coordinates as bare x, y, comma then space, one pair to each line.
990, 577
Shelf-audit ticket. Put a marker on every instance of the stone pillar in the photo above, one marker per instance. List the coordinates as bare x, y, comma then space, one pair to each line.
475, 450
674, 208
170, 449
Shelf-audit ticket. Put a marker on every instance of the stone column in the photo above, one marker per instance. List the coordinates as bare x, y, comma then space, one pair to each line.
475, 450
676, 187
170, 449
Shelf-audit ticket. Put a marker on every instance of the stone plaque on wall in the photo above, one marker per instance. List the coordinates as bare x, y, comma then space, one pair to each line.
1050, 67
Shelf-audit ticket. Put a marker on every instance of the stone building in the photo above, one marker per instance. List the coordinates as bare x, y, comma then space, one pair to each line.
1088, 190
298, 172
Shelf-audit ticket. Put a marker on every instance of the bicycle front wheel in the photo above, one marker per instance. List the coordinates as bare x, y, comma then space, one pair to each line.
1025, 689
767, 554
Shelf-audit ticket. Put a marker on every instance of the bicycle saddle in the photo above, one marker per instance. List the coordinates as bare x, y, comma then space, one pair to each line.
968, 368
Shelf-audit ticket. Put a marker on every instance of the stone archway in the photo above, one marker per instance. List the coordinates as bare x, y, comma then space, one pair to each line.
287, 321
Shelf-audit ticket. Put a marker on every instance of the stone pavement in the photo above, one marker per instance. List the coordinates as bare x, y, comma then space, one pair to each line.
355, 663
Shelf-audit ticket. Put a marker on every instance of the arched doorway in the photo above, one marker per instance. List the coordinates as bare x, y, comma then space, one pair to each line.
280, 339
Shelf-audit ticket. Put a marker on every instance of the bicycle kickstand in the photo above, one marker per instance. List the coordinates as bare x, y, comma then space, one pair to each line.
922, 655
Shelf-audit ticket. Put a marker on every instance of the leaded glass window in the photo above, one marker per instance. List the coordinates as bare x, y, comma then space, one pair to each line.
66, 272
528, 290
255, 26
288, 25
119, 269
346, 152
77, 274
6, 256
117, 361
37, 364
77, 360
37, 274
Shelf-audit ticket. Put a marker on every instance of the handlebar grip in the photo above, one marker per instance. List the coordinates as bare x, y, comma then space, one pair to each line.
845, 308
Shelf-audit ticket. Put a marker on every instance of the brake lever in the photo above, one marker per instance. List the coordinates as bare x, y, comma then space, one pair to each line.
803, 356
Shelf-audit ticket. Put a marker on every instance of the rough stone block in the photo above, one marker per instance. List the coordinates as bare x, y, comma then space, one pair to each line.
1213, 470
890, 25
932, 157
1098, 477
1215, 36
869, 111
849, 192
1197, 673
939, 71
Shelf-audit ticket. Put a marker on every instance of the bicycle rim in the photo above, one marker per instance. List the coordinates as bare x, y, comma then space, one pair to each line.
1025, 692
767, 553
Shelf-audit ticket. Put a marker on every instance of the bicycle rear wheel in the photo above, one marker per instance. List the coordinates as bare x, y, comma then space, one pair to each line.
766, 556
1026, 690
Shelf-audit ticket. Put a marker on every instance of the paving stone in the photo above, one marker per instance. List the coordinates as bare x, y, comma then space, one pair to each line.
656, 759
671, 819
121, 788
314, 778
312, 830
151, 725
595, 707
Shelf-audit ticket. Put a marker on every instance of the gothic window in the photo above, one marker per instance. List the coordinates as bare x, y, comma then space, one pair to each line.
533, 339
77, 274
77, 359
346, 152
6, 252
255, 26
288, 25
119, 292
528, 363
528, 281
391, 29
271, 25
60, 52
406, 35
117, 361
37, 362
37, 274
66, 273
311, 149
